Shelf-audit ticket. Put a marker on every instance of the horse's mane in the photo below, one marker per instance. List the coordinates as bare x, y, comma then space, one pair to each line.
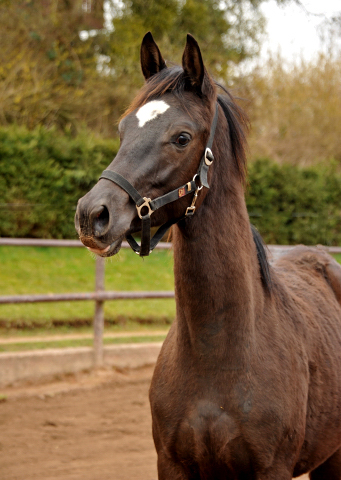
265, 271
237, 121
172, 80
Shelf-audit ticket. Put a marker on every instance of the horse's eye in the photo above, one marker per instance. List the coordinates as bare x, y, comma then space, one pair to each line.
183, 139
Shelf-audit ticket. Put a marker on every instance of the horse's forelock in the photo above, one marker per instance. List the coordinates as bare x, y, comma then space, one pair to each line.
170, 80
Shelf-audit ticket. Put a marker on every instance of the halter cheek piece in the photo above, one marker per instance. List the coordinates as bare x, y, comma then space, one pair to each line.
148, 244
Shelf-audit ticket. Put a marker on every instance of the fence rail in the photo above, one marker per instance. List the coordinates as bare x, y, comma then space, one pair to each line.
94, 296
42, 242
99, 296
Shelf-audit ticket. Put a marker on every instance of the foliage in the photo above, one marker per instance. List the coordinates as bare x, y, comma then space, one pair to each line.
48, 75
42, 176
292, 205
51, 75
295, 110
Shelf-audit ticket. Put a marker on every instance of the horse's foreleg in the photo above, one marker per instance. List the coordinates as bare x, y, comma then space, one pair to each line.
330, 469
275, 473
168, 470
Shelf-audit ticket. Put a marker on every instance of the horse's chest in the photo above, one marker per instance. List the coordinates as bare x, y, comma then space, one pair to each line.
207, 426
209, 439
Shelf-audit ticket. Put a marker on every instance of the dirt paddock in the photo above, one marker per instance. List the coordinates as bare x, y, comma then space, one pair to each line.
86, 427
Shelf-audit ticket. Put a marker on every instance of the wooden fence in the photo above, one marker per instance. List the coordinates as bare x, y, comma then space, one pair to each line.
99, 295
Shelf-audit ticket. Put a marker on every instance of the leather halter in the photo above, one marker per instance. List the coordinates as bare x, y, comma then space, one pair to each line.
147, 244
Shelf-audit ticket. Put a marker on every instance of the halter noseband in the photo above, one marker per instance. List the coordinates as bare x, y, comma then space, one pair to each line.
148, 244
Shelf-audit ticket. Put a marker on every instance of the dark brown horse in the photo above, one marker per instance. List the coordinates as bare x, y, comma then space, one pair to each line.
248, 382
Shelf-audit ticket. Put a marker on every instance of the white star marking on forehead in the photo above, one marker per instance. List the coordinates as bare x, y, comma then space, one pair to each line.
151, 110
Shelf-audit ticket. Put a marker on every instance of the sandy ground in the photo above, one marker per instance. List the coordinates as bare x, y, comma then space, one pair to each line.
93, 426
88, 427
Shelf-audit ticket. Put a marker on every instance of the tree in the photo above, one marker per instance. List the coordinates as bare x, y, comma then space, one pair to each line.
50, 76
330, 34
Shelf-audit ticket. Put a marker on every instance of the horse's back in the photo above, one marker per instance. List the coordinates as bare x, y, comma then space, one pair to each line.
307, 285
311, 262
333, 270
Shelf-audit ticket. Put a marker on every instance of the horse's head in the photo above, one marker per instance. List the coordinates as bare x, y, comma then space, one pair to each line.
163, 138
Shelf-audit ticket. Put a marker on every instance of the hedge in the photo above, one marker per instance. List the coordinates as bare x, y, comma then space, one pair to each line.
43, 173
290, 204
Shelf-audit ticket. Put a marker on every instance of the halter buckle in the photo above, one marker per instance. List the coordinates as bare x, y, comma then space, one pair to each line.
144, 204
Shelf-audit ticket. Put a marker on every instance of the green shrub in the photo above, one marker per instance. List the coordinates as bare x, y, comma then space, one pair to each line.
42, 175
290, 204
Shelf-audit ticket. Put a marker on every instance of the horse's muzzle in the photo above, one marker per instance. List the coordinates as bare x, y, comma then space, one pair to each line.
98, 225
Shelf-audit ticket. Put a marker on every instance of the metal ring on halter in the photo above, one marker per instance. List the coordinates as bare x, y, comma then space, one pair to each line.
194, 178
145, 204
208, 157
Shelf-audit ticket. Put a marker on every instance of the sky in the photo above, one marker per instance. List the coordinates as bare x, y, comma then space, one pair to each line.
294, 32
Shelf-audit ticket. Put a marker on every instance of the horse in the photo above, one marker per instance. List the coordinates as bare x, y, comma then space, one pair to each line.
248, 381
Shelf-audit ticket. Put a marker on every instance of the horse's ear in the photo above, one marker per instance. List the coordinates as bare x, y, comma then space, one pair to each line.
151, 58
193, 65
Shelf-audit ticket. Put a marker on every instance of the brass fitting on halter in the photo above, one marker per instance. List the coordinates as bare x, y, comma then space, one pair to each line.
145, 204
191, 209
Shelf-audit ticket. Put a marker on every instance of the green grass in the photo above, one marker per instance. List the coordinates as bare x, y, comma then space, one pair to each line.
82, 342
337, 257
57, 270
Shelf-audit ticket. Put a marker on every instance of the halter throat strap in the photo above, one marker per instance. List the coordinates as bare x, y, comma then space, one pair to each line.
142, 203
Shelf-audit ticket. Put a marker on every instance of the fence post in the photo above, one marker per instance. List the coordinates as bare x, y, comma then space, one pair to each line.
99, 313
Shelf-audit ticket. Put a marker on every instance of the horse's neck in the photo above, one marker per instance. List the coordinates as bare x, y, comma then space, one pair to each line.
217, 282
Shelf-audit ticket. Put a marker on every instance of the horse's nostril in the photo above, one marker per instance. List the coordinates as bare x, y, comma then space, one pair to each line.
101, 221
